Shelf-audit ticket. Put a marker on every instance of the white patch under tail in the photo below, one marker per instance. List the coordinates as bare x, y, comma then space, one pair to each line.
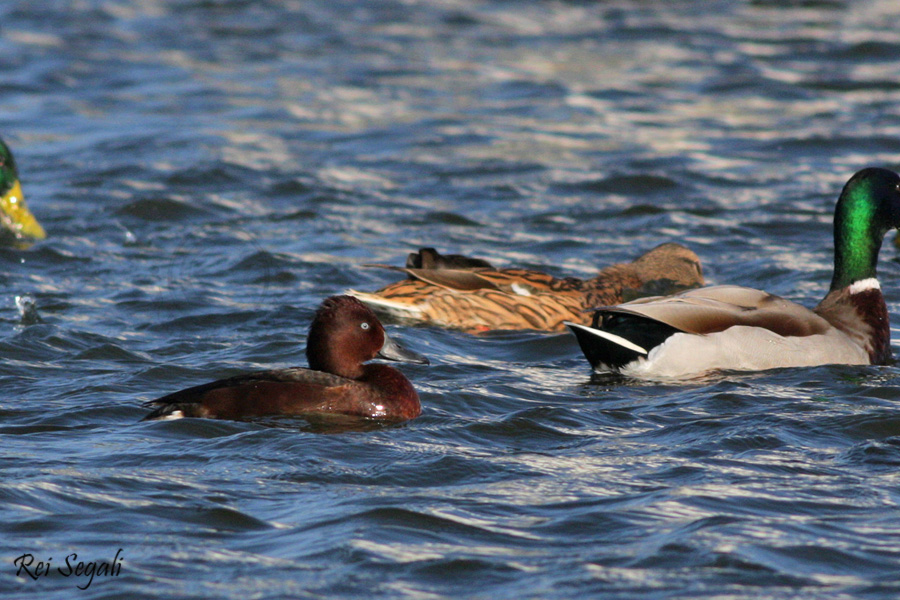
864, 285
175, 414
616, 339
392, 307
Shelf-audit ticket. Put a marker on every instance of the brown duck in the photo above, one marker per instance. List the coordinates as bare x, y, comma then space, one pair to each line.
344, 334
468, 294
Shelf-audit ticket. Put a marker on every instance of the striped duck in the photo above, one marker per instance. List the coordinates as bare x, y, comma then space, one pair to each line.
469, 294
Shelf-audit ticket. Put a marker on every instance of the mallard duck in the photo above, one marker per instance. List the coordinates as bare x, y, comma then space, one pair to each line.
16, 221
474, 298
344, 334
733, 327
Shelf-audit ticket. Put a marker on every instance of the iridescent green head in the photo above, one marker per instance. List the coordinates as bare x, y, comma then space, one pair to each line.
868, 208
15, 218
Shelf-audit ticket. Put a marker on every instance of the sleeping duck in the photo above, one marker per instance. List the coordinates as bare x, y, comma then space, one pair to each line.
468, 294
17, 224
733, 327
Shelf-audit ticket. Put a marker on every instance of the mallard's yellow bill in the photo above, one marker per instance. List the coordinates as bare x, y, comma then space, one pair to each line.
17, 217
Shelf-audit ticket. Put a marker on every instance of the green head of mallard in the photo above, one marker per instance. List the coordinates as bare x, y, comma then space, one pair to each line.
15, 218
868, 208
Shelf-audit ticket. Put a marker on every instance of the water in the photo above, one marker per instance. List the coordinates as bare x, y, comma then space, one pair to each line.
209, 171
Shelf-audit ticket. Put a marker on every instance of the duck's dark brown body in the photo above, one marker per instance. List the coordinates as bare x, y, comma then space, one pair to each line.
382, 392
341, 384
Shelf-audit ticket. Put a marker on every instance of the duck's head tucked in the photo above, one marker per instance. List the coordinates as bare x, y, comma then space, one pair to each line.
869, 206
16, 220
345, 333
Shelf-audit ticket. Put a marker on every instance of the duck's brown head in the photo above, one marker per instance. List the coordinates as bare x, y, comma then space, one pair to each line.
345, 333
671, 262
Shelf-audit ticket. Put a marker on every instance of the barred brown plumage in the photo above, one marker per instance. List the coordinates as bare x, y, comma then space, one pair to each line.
477, 299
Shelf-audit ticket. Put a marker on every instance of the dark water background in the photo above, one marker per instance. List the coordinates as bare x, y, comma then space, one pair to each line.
208, 171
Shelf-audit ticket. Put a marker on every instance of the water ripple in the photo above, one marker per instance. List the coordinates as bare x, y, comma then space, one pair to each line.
208, 172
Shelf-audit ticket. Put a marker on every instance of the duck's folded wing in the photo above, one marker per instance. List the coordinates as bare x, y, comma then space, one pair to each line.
514, 281
454, 279
464, 280
521, 282
713, 309
291, 375
281, 391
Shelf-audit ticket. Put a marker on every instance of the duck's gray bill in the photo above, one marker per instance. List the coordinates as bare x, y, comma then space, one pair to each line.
394, 351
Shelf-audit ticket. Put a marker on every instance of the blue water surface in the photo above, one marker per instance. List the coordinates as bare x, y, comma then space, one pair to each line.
209, 170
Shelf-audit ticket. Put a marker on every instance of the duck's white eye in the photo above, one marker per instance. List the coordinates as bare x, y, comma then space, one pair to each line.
364, 325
